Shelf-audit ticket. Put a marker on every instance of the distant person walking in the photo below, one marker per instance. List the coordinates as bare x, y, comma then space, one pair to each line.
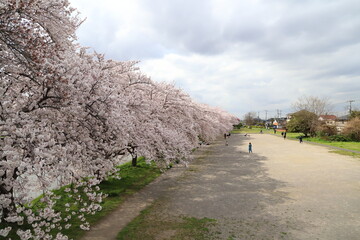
284, 135
225, 137
250, 147
301, 139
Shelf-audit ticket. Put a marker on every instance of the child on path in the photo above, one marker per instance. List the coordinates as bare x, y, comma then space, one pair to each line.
250, 147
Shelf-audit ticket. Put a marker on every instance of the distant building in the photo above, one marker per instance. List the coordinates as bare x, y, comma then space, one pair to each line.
343, 118
279, 123
341, 122
275, 124
332, 120
289, 116
328, 119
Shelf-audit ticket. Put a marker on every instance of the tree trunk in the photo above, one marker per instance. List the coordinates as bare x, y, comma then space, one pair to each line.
134, 160
7, 210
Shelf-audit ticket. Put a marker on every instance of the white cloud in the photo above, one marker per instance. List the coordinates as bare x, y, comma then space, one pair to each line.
239, 55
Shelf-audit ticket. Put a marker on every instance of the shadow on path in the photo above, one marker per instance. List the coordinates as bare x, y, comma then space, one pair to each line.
233, 187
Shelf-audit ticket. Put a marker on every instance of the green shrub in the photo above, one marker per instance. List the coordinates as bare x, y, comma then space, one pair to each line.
238, 126
339, 138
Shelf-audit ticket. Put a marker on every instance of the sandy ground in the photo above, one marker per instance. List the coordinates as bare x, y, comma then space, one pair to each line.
283, 190
322, 189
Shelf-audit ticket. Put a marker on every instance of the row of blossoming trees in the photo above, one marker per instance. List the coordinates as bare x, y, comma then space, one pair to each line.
66, 114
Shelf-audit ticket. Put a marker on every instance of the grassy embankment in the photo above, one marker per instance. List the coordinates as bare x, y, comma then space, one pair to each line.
346, 145
132, 180
355, 146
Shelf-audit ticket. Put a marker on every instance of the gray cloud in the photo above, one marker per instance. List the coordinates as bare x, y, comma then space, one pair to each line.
240, 55
187, 26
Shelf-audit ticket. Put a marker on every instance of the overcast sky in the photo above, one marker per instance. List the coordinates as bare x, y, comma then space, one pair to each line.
239, 55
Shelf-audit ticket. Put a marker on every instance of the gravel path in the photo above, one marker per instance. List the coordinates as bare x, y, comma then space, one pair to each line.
283, 190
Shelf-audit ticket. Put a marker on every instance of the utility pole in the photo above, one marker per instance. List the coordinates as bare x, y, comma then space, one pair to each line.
266, 111
278, 113
350, 101
266, 119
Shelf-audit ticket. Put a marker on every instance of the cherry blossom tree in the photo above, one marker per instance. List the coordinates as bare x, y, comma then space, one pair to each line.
169, 123
38, 136
66, 114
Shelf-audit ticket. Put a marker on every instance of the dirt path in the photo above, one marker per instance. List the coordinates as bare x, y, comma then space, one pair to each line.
322, 189
284, 190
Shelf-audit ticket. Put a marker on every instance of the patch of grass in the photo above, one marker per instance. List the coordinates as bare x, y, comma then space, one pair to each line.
346, 153
252, 130
193, 169
346, 145
151, 227
293, 135
132, 180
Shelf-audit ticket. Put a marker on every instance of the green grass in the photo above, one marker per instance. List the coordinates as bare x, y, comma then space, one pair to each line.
148, 225
132, 180
293, 135
252, 130
346, 145
346, 153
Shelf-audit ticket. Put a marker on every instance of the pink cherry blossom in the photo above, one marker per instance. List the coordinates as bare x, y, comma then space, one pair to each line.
66, 115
